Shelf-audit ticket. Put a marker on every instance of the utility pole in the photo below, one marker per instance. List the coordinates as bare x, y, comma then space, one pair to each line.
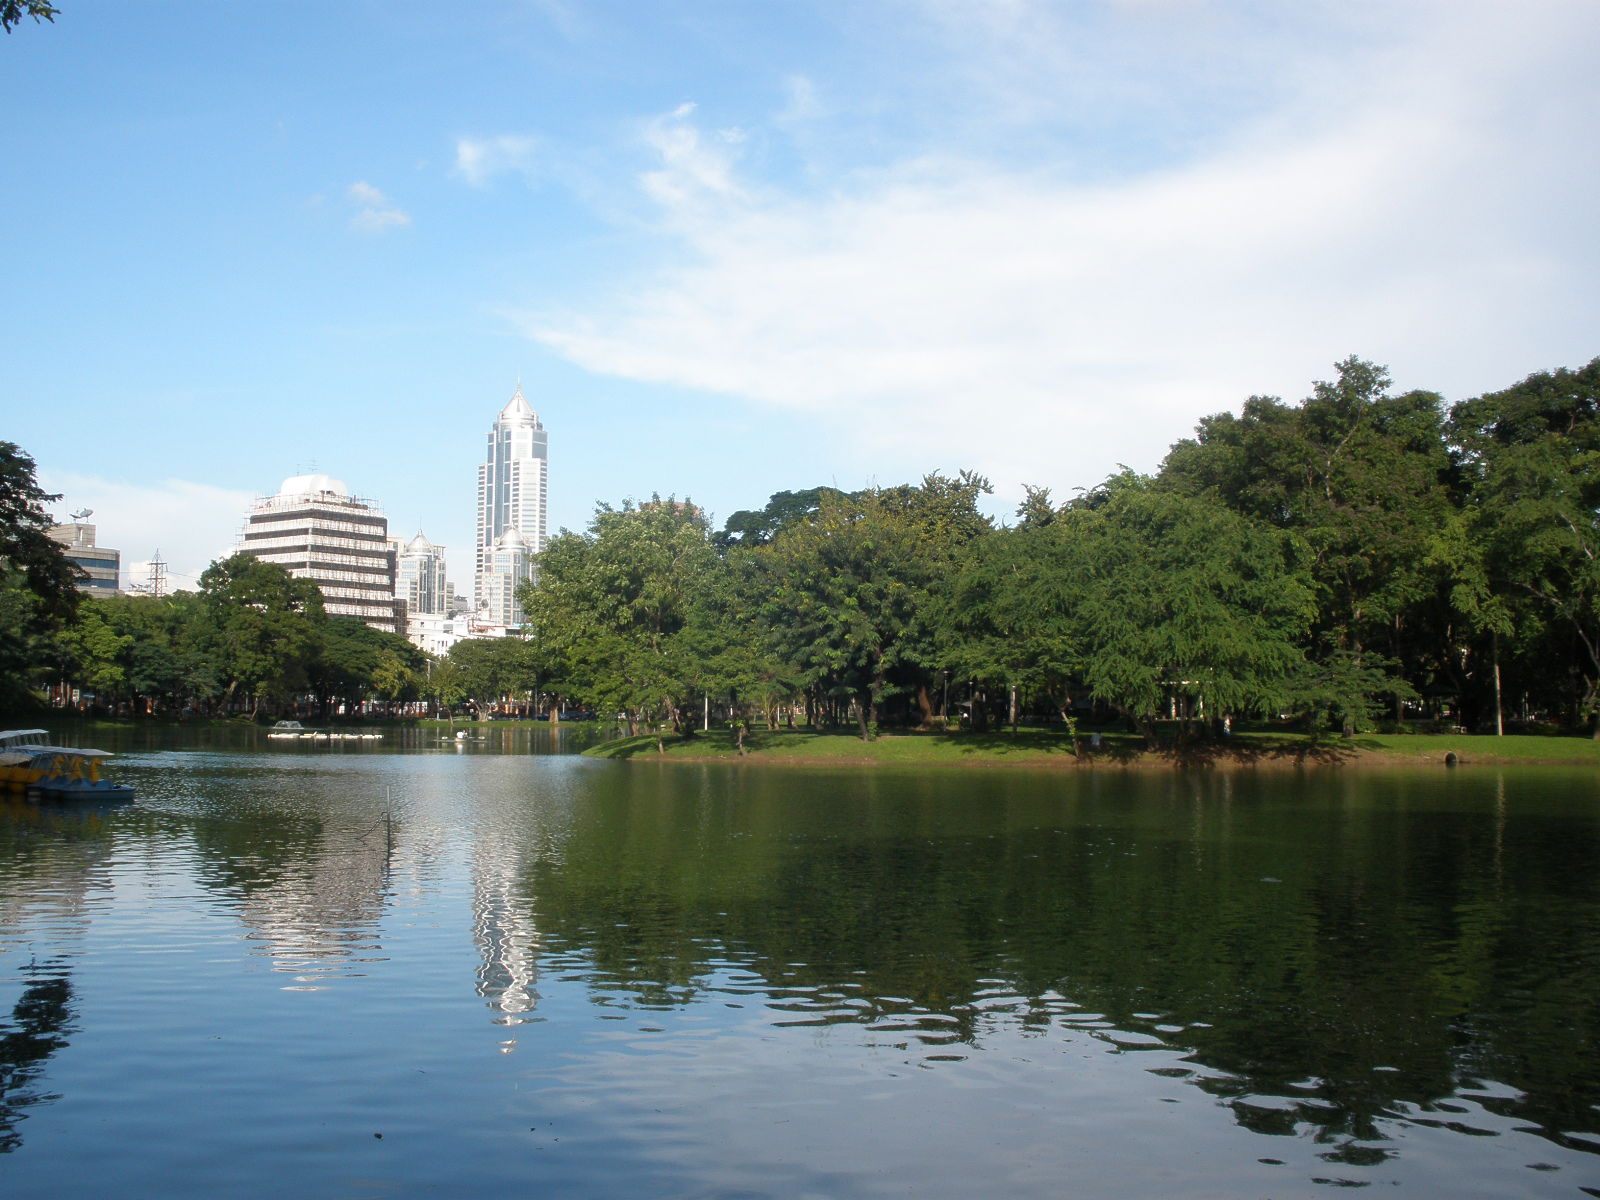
158, 575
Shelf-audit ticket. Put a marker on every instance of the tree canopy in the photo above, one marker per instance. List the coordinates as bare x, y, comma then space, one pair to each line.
13, 11
38, 583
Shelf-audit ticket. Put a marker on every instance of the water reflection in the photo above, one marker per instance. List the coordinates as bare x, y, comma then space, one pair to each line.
307, 880
1325, 967
1347, 972
36, 1028
505, 933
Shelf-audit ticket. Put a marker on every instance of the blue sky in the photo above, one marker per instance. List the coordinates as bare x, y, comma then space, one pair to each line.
732, 248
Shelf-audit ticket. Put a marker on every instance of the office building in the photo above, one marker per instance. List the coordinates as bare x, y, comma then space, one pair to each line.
315, 529
513, 491
101, 567
508, 563
419, 576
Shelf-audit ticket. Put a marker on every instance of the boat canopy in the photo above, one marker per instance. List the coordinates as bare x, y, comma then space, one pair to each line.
41, 753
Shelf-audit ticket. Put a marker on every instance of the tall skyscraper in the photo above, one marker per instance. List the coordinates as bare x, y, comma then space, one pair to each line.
316, 530
513, 492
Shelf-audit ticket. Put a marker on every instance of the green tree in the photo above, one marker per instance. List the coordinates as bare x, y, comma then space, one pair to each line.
851, 590
1008, 619
747, 528
92, 655
1181, 605
1477, 598
486, 672
38, 584
12, 12
1364, 478
26, 547
1036, 509
741, 663
612, 605
1532, 454
166, 662
355, 662
262, 627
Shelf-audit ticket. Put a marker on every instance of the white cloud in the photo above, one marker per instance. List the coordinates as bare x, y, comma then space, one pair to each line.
949, 310
803, 103
190, 524
375, 212
479, 160
693, 170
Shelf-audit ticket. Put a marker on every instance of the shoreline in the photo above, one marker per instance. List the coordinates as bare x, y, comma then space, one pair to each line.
1039, 752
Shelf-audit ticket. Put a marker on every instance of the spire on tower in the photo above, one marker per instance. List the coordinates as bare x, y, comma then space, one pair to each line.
518, 408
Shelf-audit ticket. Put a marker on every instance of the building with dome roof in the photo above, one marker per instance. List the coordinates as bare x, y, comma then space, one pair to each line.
315, 529
420, 577
508, 563
513, 495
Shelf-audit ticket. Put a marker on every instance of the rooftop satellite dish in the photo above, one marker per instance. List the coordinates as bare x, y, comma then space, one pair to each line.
82, 513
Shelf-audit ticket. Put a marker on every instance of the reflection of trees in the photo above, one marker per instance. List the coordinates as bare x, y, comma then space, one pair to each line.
36, 1029
50, 864
1346, 959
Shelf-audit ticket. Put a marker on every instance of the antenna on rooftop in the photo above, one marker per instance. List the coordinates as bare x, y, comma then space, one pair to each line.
82, 513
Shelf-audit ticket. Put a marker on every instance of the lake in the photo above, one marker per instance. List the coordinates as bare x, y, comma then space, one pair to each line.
421, 967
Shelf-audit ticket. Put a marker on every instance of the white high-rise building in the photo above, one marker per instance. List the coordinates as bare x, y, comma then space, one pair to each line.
506, 565
419, 578
316, 530
513, 493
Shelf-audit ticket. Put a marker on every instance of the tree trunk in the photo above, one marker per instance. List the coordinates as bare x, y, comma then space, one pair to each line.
1499, 722
925, 706
1071, 723
861, 718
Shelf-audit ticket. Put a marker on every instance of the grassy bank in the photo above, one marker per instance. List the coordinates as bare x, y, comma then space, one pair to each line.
1050, 749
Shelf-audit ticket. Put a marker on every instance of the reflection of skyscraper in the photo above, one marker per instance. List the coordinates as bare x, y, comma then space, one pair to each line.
513, 486
504, 928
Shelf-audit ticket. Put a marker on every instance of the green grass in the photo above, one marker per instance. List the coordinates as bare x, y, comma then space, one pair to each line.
1047, 748
1468, 747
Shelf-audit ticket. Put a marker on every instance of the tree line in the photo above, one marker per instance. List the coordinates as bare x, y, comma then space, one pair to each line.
1356, 558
